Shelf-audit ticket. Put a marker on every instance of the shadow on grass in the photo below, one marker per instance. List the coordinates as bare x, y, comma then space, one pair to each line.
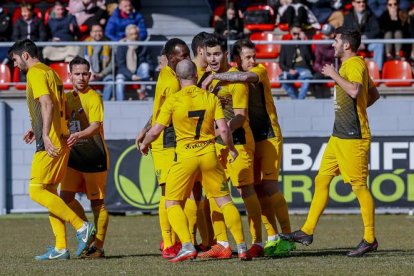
344, 251
131, 256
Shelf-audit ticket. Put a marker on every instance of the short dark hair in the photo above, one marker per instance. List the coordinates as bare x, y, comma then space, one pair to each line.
78, 61
25, 45
352, 36
239, 44
216, 40
198, 41
171, 44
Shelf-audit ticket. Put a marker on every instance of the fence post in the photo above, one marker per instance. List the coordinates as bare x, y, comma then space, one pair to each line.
3, 161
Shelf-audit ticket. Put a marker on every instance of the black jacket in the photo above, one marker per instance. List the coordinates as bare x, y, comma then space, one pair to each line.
143, 55
287, 55
37, 30
369, 27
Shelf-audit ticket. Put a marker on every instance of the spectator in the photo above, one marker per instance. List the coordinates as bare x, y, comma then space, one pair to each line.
328, 12
122, 17
62, 27
5, 34
392, 24
134, 63
378, 7
100, 59
88, 12
296, 64
324, 54
366, 23
231, 25
411, 33
29, 26
292, 11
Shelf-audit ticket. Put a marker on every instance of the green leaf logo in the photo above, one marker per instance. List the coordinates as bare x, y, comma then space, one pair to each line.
145, 192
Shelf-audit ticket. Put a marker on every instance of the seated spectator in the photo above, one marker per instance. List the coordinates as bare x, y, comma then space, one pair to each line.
29, 26
292, 11
5, 34
411, 33
133, 62
62, 27
122, 17
328, 12
296, 64
378, 7
100, 59
231, 25
393, 24
88, 12
364, 20
324, 54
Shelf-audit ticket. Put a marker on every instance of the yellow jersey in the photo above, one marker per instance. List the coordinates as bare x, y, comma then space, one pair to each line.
234, 95
262, 110
167, 84
88, 154
43, 80
351, 119
193, 112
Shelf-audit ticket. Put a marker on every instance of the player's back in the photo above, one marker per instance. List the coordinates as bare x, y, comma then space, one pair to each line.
43, 80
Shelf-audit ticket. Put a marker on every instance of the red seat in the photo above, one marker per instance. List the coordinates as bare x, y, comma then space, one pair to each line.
266, 50
16, 78
62, 69
316, 36
17, 14
273, 71
397, 69
259, 18
373, 71
5, 77
284, 27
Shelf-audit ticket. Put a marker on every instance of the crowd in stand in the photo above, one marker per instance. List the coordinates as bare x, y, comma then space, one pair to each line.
113, 20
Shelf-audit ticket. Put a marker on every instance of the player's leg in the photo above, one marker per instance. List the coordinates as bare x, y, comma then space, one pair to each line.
72, 183
191, 210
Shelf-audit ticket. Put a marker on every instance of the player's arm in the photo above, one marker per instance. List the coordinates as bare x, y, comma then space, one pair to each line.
150, 137
225, 134
351, 88
235, 76
142, 132
240, 115
47, 115
373, 94
91, 130
28, 136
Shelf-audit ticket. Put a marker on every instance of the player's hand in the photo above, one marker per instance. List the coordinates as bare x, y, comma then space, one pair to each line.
73, 139
29, 137
234, 153
206, 83
328, 70
140, 138
143, 148
51, 150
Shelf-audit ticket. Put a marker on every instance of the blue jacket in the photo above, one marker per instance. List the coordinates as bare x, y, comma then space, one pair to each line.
60, 27
115, 28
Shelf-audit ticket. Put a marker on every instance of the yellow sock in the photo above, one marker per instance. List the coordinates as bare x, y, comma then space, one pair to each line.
366, 202
46, 195
233, 221
217, 219
318, 204
78, 209
280, 208
268, 216
179, 222
164, 224
254, 216
190, 210
202, 224
59, 230
100, 215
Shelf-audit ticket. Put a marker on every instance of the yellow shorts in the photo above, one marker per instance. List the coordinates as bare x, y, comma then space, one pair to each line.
183, 173
48, 170
267, 159
163, 161
348, 157
92, 184
240, 171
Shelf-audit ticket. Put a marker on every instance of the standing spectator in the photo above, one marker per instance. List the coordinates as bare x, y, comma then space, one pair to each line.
324, 54
366, 23
62, 27
296, 64
100, 59
134, 63
88, 12
231, 26
29, 26
123, 16
392, 24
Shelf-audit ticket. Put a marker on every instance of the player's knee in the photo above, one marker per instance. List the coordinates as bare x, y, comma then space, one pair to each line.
171, 203
67, 197
359, 187
246, 191
97, 203
223, 200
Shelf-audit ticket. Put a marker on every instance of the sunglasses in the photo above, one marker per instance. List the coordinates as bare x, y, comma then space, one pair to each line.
392, 4
295, 33
360, 2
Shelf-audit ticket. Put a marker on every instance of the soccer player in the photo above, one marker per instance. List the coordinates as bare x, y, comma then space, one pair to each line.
348, 147
198, 49
89, 159
268, 144
163, 149
47, 109
234, 98
193, 112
